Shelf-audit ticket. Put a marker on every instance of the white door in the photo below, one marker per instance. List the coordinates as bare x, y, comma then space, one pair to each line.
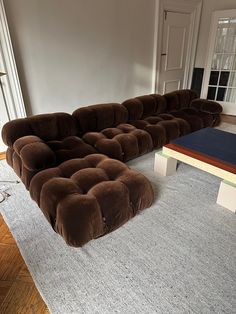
3, 119
220, 74
174, 51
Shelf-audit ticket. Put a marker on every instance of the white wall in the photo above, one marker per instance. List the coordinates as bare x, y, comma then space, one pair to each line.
71, 53
208, 7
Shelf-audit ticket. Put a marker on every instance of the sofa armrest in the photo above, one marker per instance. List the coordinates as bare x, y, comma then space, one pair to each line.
207, 106
34, 153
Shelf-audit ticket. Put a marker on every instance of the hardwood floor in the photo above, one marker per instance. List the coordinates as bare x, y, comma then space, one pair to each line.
229, 119
2, 156
18, 293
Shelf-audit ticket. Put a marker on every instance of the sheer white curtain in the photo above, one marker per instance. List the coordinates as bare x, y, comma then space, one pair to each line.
11, 100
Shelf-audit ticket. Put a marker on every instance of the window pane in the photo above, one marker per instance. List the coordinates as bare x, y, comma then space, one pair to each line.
233, 21
221, 94
224, 77
232, 80
214, 78
223, 20
216, 62
231, 95
230, 40
234, 63
220, 39
211, 93
227, 61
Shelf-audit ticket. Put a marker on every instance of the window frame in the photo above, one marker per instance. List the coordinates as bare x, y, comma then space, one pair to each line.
228, 107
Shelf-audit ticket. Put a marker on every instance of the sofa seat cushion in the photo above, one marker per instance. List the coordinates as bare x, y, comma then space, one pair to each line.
207, 118
206, 105
124, 142
85, 198
162, 128
189, 115
70, 147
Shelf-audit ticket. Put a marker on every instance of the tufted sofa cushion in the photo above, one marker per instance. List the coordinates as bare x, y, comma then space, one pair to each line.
172, 101
34, 152
86, 198
206, 106
179, 99
144, 106
98, 117
194, 121
70, 147
171, 115
124, 142
185, 97
162, 128
46, 126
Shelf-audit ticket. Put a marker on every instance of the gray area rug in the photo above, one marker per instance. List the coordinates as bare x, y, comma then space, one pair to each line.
178, 256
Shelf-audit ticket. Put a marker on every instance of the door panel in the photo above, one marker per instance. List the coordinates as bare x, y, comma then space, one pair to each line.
169, 86
174, 51
175, 47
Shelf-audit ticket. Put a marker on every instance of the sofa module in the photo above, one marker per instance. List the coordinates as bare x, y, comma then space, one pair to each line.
82, 193
86, 198
73, 165
105, 128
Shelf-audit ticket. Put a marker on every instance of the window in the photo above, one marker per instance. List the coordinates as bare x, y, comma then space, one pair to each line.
220, 75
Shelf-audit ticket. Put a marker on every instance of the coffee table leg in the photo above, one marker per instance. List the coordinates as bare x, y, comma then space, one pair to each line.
227, 195
164, 165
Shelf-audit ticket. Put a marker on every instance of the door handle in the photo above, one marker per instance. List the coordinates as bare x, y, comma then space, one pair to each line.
163, 54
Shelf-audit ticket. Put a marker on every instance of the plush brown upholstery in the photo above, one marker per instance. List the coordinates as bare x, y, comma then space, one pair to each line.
64, 159
179, 99
86, 198
98, 117
171, 115
104, 128
46, 126
148, 113
124, 142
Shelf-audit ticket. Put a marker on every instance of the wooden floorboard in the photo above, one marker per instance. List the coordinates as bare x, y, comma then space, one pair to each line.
18, 293
228, 119
2, 155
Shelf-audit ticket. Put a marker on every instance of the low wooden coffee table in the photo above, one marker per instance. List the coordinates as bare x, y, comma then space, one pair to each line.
208, 149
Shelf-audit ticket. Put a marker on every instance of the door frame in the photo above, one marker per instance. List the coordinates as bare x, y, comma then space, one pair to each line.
10, 82
227, 109
193, 7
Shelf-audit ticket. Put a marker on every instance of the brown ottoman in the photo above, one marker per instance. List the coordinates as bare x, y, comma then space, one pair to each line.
85, 198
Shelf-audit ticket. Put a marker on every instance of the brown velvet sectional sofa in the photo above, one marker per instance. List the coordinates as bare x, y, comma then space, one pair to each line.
73, 165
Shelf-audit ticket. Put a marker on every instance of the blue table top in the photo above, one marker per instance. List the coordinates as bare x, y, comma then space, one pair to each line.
211, 142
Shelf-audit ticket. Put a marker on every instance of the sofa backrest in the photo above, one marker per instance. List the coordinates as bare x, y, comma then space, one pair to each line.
179, 99
101, 116
46, 126
145, 106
